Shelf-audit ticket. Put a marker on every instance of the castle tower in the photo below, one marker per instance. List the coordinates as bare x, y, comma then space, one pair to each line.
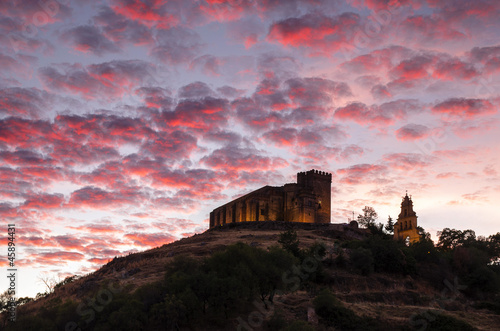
314, 188
406, 225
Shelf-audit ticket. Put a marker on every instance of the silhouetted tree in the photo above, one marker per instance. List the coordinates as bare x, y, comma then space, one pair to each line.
368, 218
290, 242
389, 227
451, 238
423, 234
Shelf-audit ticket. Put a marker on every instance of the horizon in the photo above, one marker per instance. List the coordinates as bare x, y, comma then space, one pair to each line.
125, 122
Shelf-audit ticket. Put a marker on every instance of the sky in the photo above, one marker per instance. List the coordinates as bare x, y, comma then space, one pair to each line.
123, 123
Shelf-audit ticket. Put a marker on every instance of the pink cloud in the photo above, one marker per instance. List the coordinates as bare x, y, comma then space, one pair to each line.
151, 13
232, 158
464, 108
412, 132
361, 173
318, 32
150, 239
378, 115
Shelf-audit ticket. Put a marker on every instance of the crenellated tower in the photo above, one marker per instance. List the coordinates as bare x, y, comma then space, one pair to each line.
315, 191
406, 225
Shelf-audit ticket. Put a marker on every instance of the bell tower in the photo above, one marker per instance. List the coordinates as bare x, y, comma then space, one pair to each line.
406, 225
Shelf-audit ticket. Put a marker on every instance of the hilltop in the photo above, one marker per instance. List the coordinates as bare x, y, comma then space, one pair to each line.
362, 290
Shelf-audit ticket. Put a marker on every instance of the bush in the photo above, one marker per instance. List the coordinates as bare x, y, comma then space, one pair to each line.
277, 320
290, 242
333, 313
362, 260
299, 326
491, 306
434, 321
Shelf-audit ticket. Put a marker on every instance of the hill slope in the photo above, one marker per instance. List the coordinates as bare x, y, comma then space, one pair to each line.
387, 299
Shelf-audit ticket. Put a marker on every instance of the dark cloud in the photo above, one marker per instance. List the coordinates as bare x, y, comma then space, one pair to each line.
412, 132
190, 184
230, 92
429, 29
156, 97
107, 80
251, 113
454, 69
195, 90
248, 31
34, 12
464, 108
198, 115
277, 66
316, 91
120, 29
488, 56
97, 198
177, 45
378, 115
411, 72
88, 38
233, 158
25, 102
170, 146
380, 91
209, 64
25, 157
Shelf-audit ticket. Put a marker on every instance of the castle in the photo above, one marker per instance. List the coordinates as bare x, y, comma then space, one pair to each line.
406, 225
307, 201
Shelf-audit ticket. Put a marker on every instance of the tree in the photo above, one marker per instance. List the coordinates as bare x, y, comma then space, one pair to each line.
451, 238
423, 234
290, 242
368, 218
389, 227
362, 260
494, 246
49, 282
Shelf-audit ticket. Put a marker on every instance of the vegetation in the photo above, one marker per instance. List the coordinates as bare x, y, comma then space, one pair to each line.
368, 218
212, 292
434, 321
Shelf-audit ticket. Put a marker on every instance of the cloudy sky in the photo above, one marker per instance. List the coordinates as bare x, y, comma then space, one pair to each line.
123, 123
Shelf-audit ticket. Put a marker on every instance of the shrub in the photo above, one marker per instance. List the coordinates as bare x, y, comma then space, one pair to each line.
434, 321
362, 260
333, 313
491, 306
277, 320
290, 242
299, 326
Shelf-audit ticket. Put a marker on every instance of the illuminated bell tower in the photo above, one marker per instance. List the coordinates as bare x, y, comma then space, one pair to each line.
406, 225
